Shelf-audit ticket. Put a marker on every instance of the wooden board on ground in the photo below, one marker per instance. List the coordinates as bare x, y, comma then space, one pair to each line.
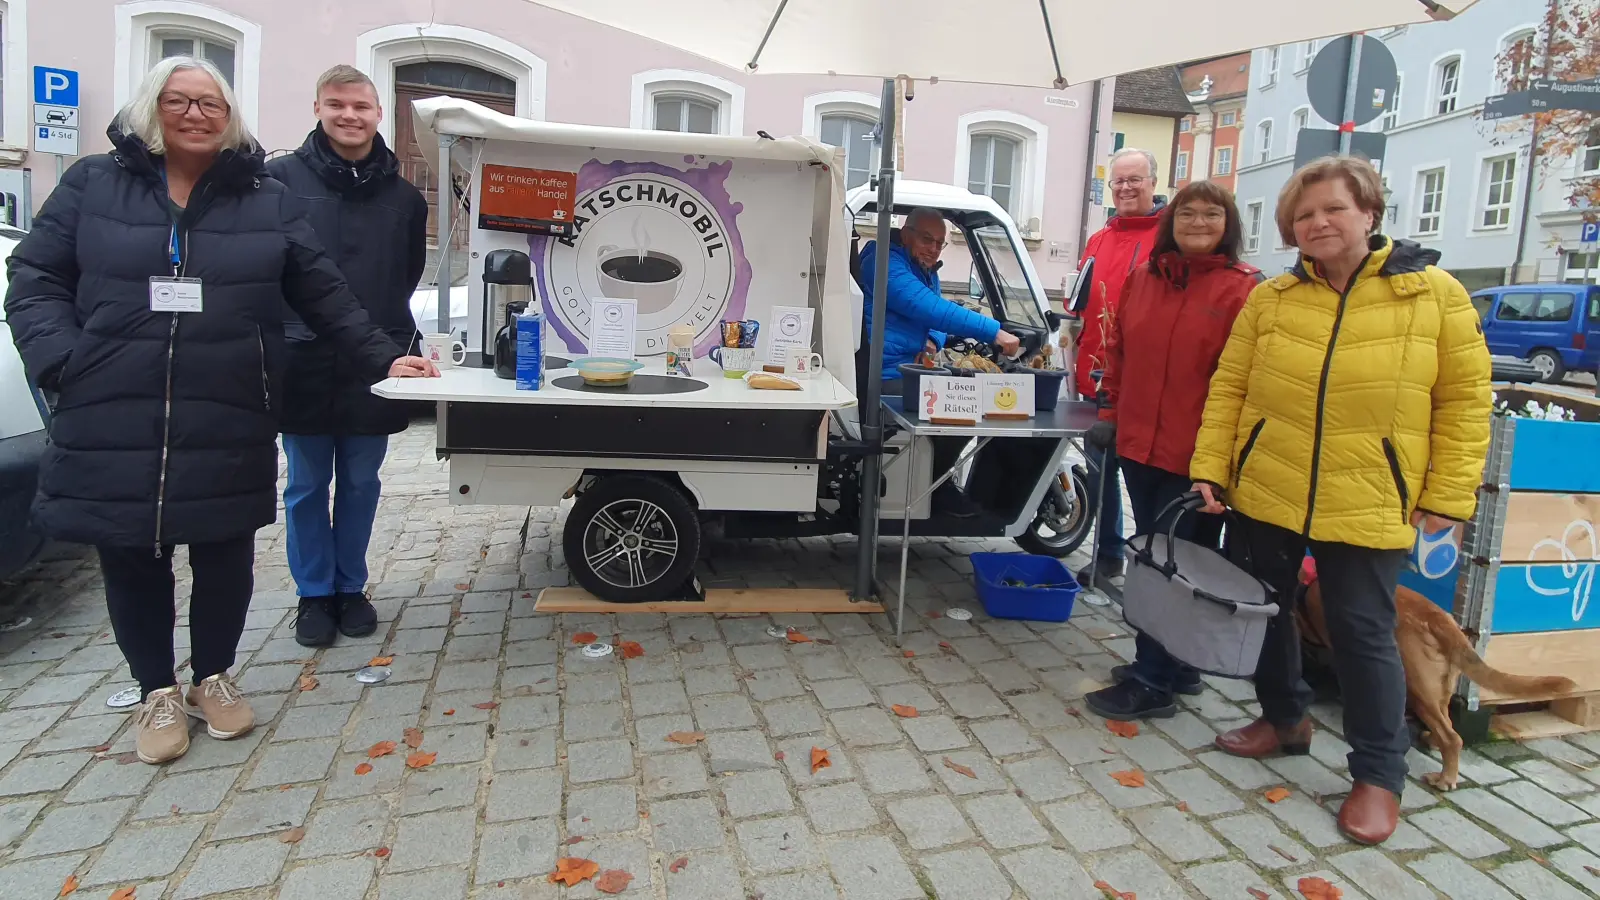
718, 600
1570, 715
1575, 654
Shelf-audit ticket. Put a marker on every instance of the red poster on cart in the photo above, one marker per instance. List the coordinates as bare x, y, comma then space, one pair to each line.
532, 201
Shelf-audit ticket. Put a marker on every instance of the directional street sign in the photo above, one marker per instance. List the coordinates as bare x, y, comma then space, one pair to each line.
1543, 94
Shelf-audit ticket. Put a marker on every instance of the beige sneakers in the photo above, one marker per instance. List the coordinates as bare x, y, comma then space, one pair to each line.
163, 730
219, 704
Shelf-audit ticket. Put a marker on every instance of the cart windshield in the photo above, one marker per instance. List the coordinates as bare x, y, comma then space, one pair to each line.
993, 243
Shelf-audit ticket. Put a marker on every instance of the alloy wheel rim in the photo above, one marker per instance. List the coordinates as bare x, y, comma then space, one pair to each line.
630, 543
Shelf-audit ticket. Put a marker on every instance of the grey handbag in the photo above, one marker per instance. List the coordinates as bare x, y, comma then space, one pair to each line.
1203, 609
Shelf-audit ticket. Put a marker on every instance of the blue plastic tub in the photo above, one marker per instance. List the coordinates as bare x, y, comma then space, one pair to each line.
1039, 604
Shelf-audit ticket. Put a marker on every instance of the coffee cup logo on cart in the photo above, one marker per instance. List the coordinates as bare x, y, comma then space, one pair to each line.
664, 237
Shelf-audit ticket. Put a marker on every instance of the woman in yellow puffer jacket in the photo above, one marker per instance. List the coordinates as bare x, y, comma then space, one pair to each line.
1350, 405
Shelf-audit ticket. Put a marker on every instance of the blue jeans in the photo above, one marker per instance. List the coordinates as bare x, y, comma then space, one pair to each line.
1108, 530
1150, 490
326, 556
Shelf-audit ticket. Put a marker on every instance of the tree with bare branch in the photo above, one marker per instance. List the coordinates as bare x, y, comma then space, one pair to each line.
1566, 48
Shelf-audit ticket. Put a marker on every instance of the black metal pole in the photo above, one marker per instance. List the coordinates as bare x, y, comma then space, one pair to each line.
870, 393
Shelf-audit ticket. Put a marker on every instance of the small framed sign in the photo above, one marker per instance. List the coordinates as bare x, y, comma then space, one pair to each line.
951, 401
531, 201
1007, 396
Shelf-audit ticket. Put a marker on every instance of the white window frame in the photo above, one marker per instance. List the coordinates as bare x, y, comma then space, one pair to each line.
1216, 162
1580, 163
1571, 274
138, 20
728, 95
1308, 53
1417, 197
1438, 93
1480, 191
1391, 118
1300, 118
16, 125
1185, 124
1031, 171
382, 50
1255, 213
1530, 31
1263, 141
1180, 166
830, 103
1222, 117
1269, 67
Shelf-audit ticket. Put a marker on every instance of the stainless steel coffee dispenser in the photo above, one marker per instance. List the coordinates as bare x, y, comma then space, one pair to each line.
507, 278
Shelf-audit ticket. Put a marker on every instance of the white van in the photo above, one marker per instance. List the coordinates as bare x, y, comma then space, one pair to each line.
22, 439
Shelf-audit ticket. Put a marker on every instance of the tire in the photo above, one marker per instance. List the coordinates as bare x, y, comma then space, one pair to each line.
651, 512
1056, 532
1548, 362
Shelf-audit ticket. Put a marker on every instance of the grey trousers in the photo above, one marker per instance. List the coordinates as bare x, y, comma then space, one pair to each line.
1358, 602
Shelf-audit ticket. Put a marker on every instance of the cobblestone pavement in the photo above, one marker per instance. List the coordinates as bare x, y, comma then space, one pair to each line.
998, 787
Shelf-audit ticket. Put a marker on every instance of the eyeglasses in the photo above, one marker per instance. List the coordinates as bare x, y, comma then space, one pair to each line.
1135, 181
938, 242
1210, 216
174, 104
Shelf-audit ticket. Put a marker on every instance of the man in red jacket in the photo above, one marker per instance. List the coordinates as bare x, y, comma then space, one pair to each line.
1116, 250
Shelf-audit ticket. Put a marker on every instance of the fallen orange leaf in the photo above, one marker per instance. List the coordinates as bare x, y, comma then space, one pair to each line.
1277, 794
70, 885
381, 852
380, 661
958, 768
819, 759
570, 870
1129, 778
463, 587
292, 836
946, 645
909, 654
796, 637
413, 737
381, 748
585, 637
364, 769
1123, 729
904, 712
612, 881
678, 864
486, 705
122, 894
420, 760
1313, 888
687, 738
449, 712
1183, 806
308, 682
630, 650
1113, 893
1258, 893
778, 756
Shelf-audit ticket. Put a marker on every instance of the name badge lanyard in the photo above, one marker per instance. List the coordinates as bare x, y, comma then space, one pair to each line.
174, 253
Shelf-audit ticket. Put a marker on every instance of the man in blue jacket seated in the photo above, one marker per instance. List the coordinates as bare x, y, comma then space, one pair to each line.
917, 317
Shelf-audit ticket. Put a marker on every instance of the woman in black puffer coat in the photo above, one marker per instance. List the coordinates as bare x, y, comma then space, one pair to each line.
167, 413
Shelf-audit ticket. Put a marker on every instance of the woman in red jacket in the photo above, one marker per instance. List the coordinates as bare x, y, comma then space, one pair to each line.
1171, 325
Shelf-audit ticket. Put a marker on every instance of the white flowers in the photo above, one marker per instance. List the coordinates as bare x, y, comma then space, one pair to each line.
1533, 409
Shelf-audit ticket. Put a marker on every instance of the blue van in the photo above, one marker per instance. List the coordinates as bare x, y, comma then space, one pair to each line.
1556, 327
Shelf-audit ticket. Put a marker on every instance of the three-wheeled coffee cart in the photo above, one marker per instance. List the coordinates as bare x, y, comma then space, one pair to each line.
733, 229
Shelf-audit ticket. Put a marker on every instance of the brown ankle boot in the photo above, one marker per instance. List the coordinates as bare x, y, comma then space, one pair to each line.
1369, 815
1261, 739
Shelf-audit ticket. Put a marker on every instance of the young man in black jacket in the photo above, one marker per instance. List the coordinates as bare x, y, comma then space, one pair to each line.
373, 224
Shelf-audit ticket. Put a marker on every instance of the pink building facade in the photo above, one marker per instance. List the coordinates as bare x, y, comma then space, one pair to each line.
1027, 148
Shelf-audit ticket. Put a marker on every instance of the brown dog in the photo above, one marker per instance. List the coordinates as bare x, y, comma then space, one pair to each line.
1436, 653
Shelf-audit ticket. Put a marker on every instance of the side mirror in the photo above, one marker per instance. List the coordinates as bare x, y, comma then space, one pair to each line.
974, 286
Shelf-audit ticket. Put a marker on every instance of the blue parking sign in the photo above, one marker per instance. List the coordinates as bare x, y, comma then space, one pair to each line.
56, 87
1589, 233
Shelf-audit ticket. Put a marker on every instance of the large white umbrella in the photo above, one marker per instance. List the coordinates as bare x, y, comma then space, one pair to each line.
1032, 43
1035, 43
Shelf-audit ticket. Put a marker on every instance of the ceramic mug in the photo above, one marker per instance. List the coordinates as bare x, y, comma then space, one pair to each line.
441, 350
735, 361
802, 363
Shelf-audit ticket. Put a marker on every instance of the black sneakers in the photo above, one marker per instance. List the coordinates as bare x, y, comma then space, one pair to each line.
1186, 685
357, 617
1131, 700
316, 624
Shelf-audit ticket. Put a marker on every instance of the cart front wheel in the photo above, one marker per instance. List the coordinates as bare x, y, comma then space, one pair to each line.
1063, 519
632, 539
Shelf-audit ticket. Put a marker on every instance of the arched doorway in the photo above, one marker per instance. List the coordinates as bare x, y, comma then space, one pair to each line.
434, 78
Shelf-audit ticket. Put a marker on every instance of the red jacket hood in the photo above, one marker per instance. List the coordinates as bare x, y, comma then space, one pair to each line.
1120, 247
